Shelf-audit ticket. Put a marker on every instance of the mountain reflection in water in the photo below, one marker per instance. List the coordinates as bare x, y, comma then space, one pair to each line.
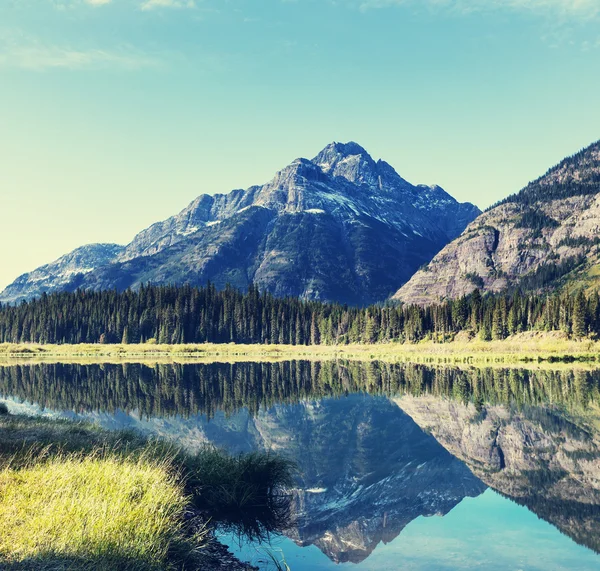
377, 445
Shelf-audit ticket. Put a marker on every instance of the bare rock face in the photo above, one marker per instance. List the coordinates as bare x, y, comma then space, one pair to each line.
533, 239
340, 227
539, 457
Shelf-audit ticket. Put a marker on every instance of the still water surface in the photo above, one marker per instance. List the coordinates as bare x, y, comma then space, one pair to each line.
399, 466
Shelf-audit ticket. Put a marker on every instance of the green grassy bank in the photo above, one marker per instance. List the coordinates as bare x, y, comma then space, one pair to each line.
531, 346
75, 497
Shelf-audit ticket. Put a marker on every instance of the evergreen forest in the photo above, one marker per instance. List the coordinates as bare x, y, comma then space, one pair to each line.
185, 314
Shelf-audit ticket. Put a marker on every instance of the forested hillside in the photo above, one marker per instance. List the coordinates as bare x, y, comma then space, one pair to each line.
576, 175
170, 314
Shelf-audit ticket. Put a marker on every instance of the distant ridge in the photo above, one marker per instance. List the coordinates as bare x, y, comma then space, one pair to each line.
61, 272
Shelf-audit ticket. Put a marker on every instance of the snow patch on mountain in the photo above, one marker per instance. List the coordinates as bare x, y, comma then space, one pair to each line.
61, 272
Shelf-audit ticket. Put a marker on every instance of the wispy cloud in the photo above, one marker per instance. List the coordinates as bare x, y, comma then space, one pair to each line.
572, 8
143, 4
153, 4
33, 55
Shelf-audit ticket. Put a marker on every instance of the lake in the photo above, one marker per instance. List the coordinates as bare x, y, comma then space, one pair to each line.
400, 466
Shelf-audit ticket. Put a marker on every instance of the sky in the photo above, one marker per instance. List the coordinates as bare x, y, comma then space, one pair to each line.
115, 114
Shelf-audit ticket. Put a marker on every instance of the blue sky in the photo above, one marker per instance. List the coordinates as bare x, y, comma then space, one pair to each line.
117, 113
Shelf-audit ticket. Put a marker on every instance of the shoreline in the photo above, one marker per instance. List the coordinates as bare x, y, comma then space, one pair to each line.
528, 347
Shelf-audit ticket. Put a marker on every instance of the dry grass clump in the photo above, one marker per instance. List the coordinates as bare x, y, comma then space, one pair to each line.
103, 511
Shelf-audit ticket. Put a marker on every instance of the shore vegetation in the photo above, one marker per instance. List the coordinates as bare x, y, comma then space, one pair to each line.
74, 496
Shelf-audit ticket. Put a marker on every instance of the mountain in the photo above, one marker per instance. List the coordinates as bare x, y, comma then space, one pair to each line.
58, 274
543, 237
339, 227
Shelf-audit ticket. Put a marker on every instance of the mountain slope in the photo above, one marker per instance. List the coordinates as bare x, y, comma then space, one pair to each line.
542, 237
339, 227
59, 273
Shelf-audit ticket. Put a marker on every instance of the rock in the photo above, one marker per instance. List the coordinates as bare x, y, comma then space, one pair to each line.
546, 233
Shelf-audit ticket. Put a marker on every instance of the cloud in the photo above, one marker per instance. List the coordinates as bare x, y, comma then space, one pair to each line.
153, 4
28, 54
143, 4
580, 9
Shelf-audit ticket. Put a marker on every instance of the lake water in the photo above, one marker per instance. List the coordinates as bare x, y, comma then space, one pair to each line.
399, 466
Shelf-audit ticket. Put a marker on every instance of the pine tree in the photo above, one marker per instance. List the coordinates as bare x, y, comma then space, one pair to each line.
369, 336
497, 323
580, 315
315, 337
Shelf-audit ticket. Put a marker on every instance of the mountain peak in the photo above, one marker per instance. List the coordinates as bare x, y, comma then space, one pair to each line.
340, 227
348, 149
350, 161
335, 152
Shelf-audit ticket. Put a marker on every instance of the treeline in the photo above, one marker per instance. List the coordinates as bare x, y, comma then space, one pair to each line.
185, 314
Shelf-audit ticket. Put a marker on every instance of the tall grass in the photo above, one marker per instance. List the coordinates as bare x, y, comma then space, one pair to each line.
104, 511
245, 494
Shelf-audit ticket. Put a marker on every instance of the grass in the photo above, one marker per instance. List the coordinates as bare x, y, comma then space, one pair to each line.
73, 496
248, 491
105, 512
233, 483
531, 346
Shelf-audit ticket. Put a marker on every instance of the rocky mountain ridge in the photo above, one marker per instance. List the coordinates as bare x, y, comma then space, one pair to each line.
543, 237
340, 227
60, 273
